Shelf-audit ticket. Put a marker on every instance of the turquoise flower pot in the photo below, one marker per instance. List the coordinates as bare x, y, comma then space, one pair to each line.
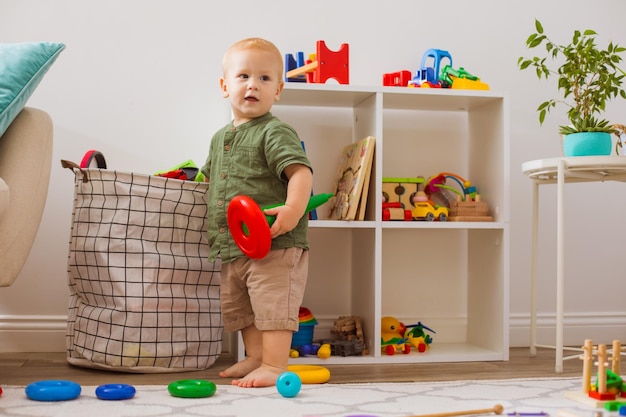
587, 144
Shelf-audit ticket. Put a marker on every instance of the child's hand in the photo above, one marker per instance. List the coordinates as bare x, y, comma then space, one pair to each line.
286, 219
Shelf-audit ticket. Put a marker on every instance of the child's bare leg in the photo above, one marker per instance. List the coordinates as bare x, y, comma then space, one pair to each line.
253, 342
276, 344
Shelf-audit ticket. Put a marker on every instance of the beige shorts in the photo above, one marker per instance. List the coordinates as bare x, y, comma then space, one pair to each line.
265, 292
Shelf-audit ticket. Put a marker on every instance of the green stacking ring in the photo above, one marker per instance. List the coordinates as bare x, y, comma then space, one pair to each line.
192, 388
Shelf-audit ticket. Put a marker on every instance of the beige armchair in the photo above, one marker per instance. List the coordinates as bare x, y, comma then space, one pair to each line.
25, 160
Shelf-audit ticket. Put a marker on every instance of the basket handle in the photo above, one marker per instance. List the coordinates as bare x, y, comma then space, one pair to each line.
74, 166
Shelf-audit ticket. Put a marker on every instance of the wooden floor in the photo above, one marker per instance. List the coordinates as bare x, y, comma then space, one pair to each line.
21, 369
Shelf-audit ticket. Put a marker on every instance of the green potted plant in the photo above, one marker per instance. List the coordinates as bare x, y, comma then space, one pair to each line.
588, 78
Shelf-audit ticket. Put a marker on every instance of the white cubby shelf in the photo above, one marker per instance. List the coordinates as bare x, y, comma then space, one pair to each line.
451, 276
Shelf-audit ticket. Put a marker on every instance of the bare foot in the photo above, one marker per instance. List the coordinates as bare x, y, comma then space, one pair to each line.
241, 368
263, 376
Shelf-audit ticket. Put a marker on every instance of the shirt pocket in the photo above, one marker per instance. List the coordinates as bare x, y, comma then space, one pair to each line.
248, 161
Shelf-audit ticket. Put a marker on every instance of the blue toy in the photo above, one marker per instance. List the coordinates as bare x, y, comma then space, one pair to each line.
115, 392
291, 64
52, 390
430, 74
288, 384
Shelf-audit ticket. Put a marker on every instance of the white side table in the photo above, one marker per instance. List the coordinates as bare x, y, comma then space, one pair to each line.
562, 171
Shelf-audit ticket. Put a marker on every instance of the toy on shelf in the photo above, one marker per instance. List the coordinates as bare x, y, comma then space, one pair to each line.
349, 339
304, 335
397, 79
424, 210
436, 187
417, 337
309, 349
469, 211
320, 67
402, 190
467, 205
395, 211
396, 336
292, 63
432, 74
324, 351
433, 199
392, 336
461, 79
428, 76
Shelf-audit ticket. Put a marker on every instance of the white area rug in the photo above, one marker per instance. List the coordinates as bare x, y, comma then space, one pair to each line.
327, 400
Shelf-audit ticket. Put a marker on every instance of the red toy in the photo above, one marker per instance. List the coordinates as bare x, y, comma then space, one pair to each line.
395, 211
327, 64
397, 79
249, 227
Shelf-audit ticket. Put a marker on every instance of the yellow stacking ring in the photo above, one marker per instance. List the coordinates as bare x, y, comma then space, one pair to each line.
310, 374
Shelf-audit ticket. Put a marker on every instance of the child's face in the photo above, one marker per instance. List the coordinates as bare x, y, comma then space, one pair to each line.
252, 81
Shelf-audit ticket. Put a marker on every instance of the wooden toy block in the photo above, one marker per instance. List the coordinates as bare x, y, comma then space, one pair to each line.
397, 79
401, 190
469, 211
327, 64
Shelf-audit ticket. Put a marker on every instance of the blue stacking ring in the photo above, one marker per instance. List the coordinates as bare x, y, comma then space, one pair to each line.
288, 384
115, 392
52, 390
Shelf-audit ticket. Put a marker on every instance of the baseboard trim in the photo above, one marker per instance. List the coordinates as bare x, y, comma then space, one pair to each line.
600, 327
41, 333
32, 333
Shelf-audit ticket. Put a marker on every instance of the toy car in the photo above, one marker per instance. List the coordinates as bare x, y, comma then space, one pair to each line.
395, 211
425, 211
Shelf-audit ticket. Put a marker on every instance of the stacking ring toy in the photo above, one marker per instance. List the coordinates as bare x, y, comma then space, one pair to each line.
191, 388
115, 392
249, 227
310, 374
288, 384
52, 390
90, 156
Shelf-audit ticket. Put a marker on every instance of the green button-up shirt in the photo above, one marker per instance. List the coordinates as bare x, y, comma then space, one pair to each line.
249, 160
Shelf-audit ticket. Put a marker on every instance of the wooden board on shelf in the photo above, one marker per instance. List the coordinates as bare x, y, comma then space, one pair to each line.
360, 213
470, 219
352, 180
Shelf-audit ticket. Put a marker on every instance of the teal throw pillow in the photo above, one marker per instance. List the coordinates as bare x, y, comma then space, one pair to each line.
22, 66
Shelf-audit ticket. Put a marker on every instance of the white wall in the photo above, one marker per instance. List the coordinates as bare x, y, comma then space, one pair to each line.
138, 81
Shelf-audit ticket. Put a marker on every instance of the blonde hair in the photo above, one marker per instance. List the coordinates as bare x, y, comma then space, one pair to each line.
254, 43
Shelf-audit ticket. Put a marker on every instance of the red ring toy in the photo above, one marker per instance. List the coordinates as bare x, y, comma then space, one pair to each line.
245, 214
91, 155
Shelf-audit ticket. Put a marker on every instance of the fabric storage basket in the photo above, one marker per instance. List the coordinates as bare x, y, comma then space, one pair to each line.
143, 295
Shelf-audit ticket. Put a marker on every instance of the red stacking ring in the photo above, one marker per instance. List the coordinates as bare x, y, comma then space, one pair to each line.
91, 155
249, 227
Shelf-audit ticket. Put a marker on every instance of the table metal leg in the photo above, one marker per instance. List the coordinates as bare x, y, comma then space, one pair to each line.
533, 271
560, 264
